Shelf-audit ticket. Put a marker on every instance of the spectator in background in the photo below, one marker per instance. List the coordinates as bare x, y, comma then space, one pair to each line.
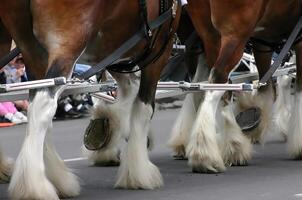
14, 72
11, 114
74, 106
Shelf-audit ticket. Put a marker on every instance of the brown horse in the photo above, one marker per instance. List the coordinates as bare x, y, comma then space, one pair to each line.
225, 27
52, 35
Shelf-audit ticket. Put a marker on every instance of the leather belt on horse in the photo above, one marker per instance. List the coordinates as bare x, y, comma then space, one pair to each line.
130, 43
290, 41
6, 59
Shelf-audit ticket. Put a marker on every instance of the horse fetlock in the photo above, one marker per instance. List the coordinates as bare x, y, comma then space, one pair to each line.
203, 161
179, 152
69, 186
42, 190
148, 177
108, 157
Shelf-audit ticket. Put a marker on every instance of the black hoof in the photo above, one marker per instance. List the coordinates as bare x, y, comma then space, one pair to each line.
97, 135
237, 164
179, 157
108, 164
201, 170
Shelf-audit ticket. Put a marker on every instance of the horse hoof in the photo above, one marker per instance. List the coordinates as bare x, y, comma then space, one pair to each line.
180, 153
203, 170
112, 163
97, 134
237, 164
179, 157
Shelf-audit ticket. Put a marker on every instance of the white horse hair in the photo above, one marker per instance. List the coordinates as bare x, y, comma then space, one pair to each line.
29, 179
61, 177
260, 99
237, 147
203, 149
282, 106
136, 170
295, 127
119, 114
181, 130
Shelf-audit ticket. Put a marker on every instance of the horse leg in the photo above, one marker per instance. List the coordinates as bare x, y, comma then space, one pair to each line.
136, 170
56, 170
29, 180
214, 134
118, 115
185, 120
283, 104
264, 97
295, 126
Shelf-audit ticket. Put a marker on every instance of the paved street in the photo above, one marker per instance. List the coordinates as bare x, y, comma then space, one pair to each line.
269, 176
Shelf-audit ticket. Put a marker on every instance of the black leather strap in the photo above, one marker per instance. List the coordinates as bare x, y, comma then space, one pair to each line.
6, 59
283, 53
126, 46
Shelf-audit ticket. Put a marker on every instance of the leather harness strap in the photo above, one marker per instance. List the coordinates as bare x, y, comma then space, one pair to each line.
109, 61
11, 55
290, 41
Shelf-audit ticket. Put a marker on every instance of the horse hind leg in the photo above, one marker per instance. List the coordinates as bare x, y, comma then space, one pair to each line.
182, 128
263, 99
237, 147
118, 118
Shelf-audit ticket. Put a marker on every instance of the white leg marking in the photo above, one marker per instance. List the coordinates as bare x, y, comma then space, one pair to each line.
29, 180
119, 119
295, 128
203, 149
182, 128
263, 100
237, 147
282, 106
136, 170
61, 177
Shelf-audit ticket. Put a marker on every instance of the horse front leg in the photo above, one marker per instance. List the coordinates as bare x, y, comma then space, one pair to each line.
65, 182
29, 180
115, 119
136, 170
295, 125
181, 130
216, 138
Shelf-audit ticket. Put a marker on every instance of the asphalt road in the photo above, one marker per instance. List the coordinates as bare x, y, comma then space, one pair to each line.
269, 176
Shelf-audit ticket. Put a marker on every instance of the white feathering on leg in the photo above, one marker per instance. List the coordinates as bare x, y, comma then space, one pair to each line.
136, 170
203, 151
